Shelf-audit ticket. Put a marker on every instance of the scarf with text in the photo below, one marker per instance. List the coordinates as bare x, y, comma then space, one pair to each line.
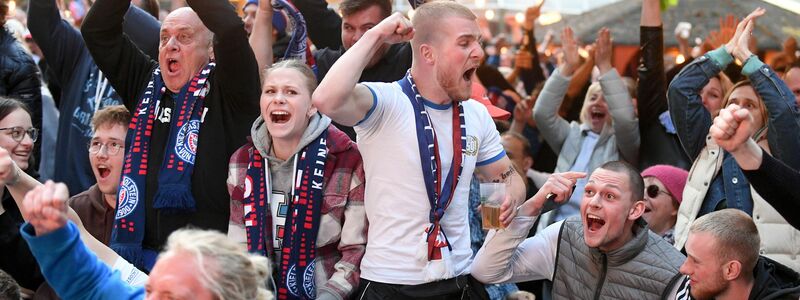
439, 196
299, 236
174, 179
299, 46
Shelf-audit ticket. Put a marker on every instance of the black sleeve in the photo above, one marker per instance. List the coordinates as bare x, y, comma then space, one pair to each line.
143, 30
324, 25
128, 69
652, 89
61, 44
15, 256
777, 184
532, 77
237, 70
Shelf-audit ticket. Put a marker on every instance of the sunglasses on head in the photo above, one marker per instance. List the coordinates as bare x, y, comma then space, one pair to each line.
654, 190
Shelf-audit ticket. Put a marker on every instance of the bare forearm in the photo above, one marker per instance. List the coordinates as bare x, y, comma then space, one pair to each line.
651, 13
335, 94
749, 155
261, 40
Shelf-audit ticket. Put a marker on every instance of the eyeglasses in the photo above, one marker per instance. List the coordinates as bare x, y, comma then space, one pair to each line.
18, 133
654, 190
112, 148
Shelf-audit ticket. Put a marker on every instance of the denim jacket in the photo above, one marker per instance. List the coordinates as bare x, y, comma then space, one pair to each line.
729, 187
692, 122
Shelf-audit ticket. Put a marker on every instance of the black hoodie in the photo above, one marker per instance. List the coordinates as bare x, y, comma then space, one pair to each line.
774, 281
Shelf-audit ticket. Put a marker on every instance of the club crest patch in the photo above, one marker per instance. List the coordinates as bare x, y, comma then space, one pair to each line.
186, 144
472, 145
128, 197
307, 283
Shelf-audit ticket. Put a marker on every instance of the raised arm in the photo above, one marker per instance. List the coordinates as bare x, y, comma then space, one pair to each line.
338, 96
236, 63
626, 126
261, 37
773, 180
72, 270
652, 85
19, 184
551, 125
534, 74
127, 68
784, 129
61, 43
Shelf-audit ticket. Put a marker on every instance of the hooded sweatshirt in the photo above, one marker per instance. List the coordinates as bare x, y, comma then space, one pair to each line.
281, 172
342, 236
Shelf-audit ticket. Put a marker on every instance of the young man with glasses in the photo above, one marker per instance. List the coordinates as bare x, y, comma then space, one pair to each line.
96, 206
662, 195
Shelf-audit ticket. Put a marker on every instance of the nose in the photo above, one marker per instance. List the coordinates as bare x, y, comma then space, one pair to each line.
27, 140
103, 153
279, 98
684, 269
172, 44
479, 53
595, 201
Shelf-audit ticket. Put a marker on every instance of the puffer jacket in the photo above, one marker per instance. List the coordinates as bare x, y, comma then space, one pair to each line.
641, 269
19, 79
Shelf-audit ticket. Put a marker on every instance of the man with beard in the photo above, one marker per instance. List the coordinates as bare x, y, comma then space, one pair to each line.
606, 252
723, 262
421, 139
191, 110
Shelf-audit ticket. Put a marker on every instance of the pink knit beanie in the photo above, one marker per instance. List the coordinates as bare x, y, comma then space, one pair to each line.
674, 179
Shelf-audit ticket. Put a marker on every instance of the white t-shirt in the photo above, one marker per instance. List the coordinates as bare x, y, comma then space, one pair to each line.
396, 200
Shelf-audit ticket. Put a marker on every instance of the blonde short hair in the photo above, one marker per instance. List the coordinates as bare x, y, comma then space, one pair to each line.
226, 269
736, 235
428, 17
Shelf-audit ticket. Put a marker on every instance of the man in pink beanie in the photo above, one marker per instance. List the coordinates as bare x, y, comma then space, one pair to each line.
663, 194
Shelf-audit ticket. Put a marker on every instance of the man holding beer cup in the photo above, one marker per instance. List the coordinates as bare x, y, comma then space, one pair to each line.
421, 139
607, 250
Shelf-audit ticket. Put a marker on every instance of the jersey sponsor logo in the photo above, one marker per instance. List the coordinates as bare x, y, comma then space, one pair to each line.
472, 145
128, 197
186, 144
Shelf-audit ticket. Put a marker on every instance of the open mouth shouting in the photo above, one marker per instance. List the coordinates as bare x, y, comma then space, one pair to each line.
280, 116
103, 170
597, 114
468, 74
594, 223
173, 65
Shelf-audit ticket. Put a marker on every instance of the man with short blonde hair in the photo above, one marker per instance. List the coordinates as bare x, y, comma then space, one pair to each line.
724, 263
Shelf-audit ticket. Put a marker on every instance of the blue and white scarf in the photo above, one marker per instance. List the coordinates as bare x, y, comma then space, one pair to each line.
439, 197
174, 179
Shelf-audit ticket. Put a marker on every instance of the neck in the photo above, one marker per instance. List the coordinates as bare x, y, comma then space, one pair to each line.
284, 148
111, 200
661, 229
428, 87
622, 241
737, 289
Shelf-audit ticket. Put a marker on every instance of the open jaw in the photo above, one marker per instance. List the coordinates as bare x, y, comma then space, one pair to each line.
172, 65
103, 171
597, 114
468, 74
280, 116
594, 223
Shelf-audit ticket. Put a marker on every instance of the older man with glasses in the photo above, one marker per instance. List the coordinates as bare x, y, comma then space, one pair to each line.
663, 193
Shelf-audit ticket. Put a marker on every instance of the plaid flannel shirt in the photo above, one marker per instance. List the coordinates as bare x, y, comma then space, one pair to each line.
342, 238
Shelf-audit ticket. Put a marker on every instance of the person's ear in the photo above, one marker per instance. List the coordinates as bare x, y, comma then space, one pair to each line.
636, 210
427, 53
732, 270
